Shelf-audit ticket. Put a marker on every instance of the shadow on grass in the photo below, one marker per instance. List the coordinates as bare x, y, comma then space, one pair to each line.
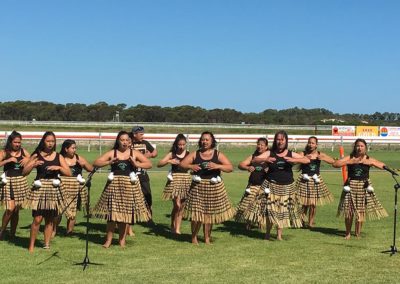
164, 230
22, 242
329, 231
96, 237
239, 229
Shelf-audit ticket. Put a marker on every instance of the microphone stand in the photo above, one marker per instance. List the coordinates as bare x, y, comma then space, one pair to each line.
393, 248
87, 184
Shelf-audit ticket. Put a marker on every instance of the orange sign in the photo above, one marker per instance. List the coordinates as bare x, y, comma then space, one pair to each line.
367, 131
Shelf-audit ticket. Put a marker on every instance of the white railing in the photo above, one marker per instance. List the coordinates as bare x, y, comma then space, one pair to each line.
222, 138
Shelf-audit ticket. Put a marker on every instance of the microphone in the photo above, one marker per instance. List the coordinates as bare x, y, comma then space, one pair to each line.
390, 171
92, 172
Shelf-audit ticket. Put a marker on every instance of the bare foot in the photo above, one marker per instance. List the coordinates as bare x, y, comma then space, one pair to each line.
347, 237
30, 249
195, 241
130, 233
122, 244
107, 244
279, 238
53, 234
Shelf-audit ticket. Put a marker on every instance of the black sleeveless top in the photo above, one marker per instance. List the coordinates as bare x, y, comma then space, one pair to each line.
177, 168
206, 173
311, 168
13, 169
77, 168
122, 167
358, 171
42, 172
280, 171
258, 176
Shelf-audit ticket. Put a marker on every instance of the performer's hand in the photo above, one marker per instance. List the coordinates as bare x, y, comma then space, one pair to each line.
270, 160
367, 162
113, 160
353, 161
196, 168
174, 162
213, 166
132, 159
24, 161
290, 159
12, 159
53, 168
37, 162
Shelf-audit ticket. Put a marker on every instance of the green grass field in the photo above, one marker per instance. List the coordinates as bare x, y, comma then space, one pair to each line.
236, 255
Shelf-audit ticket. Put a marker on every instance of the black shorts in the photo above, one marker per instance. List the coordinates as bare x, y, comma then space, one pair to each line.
45, 213
145, 185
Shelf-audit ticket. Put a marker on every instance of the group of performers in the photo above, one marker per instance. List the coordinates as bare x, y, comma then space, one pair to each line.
195, 185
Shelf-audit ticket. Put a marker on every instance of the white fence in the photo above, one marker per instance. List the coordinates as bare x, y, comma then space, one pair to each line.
221, 138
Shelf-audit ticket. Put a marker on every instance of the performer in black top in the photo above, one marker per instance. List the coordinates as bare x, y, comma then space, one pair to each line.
280, 205
207, 202
358, 197
14, 185
178, 182
311, 188
73, 184
144, 146
46, 197
122, 202
248, 210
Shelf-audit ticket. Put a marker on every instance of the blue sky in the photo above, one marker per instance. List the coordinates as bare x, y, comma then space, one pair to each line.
247, 55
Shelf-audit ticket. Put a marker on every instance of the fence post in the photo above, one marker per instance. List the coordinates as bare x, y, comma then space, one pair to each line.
100, 143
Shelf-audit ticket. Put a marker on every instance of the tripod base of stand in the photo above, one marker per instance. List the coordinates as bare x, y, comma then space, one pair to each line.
85, 263
392, 250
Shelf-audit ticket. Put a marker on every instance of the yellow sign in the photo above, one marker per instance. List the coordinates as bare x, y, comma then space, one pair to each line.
367, 131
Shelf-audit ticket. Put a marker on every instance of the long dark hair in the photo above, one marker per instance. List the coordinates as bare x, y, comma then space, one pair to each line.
213, 140
275, 145
354, 152
261, 139
178, 138
65, 145
116, 144
10, 139
307, 149
41, 145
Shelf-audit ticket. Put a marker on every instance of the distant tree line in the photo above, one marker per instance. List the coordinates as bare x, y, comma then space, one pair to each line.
101, 111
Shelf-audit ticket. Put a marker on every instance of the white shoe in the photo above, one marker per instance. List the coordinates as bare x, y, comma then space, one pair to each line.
346, 188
